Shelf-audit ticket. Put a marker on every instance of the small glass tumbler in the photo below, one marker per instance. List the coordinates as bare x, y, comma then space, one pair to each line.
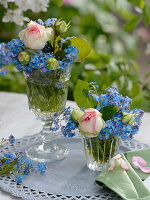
99, 152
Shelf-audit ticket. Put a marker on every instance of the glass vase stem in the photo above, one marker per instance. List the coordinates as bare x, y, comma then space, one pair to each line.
46, 132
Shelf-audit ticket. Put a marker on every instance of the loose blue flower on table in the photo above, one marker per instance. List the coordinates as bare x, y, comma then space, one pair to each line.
11, 139
19, 165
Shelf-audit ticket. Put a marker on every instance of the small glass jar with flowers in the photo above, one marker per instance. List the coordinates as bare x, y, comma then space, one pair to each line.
103, 120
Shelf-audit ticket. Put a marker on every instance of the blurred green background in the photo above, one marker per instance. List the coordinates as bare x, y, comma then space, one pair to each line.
119, 33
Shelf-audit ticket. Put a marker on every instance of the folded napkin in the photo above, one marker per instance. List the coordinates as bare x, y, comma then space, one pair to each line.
127, 183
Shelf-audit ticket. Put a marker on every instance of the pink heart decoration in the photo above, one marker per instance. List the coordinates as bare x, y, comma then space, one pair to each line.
140, 163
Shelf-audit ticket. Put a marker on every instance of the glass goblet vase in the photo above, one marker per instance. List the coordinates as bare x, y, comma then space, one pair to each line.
47, 95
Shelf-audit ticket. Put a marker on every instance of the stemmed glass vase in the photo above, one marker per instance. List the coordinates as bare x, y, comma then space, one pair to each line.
47, 95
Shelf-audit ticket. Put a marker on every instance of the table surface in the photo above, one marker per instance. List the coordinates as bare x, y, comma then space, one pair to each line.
16, 119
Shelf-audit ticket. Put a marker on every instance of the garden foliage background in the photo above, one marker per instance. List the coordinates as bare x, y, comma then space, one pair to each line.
119, 33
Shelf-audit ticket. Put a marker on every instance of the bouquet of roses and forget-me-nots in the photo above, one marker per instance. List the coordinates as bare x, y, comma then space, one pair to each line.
41, 46
101, 115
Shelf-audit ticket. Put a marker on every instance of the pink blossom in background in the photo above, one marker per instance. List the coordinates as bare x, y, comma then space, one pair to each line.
143, 33
67, 2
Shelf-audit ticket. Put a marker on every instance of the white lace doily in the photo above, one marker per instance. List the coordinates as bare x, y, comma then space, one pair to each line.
67, 179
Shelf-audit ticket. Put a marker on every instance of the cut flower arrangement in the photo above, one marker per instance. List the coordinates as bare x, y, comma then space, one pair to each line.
45, 57
102, 121
42, 53
41, 46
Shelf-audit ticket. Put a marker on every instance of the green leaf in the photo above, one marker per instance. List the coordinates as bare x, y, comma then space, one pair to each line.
135, 89
146, 13
83, 100
132, 23
108, 112
58, 3
83, 47
140, 102
135, 65
6, 169
139, 3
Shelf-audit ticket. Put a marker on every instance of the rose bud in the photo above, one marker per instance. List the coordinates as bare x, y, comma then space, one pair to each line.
35, 35
24, 57
52, 63
61, 26
76, 115
91, 123
128, 118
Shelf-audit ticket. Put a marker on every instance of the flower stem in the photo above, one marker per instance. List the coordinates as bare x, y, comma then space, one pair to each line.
102, 150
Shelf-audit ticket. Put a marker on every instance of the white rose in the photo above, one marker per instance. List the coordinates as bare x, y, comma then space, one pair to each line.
35, 35
91, 123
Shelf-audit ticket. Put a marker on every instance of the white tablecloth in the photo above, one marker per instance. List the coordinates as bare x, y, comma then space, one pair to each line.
16, 119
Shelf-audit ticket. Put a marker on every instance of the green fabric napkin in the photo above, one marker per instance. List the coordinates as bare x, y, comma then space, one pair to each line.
127, 184
145, 153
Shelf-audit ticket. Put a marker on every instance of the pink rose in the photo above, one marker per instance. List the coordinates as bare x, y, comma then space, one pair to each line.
35, 35
91, 123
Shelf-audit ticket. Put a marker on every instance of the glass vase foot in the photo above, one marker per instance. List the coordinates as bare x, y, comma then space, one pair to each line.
54, 153
96, 166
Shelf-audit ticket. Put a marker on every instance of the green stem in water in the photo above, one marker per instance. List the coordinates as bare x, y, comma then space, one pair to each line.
47, 94
102, 150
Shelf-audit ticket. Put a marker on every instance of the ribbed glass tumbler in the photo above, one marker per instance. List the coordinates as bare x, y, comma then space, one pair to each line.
99, 152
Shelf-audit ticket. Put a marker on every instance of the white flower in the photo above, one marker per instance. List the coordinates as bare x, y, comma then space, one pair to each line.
34, 5
24, 4
4, 3
35, 35
91, 122
15, 16
41, 5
